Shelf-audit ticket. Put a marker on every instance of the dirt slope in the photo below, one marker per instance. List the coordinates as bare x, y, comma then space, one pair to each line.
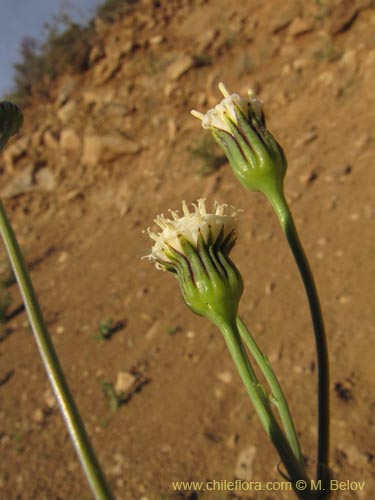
99, 157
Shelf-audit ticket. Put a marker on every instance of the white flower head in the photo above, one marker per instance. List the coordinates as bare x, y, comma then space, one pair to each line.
239, 127
222, 222
218, 116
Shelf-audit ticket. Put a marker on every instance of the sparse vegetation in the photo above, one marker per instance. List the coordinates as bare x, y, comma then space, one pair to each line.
328, 52
109, 10
106, 328
245, 64
324, 10
202, 60
85, 243
64, 48
18, 439
114, 399
172, 330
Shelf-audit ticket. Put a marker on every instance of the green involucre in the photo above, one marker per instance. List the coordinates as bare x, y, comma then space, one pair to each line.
210, 283
258, 161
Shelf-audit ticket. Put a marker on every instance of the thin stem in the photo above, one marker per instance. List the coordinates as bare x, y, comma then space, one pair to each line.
295, 469
86, 455
286, 220
278, 397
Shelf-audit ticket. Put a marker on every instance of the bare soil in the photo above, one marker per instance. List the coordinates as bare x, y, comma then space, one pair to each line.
189, 419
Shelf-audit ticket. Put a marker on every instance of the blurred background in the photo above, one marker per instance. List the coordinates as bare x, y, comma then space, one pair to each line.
108, 142
27, 25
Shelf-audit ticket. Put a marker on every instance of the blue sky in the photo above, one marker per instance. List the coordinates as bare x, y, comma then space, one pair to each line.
20, 18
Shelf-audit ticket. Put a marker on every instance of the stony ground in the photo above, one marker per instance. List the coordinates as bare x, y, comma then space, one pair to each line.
100, 155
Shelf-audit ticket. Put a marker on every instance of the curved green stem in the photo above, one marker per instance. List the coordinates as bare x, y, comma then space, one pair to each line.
52, 365
295, 469
277, 393
285, 217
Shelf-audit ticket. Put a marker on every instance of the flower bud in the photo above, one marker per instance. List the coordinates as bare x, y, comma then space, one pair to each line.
11, 120
239, 127
195, 248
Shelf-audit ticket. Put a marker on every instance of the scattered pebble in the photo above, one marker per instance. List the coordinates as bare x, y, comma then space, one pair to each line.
20, 183
263, 236
38, 416
205, 40
45, 179
343, 14
344, 299
166, 448
156, 40
146, 317
326, 78
361, 143
299, 27
340, 172
270, 287
117, 468
293, 196
62, 257
190, 356
313, 430
179, 67
250, 306
354, 456
259, 327
172, 129
49, 399
141, 292
340, 423
286, 69
244, 465
354, 216
300, 64
308, 178
218, 393
322, 241
225, 377
232, 441
125, 382
67, 111
48, 146
151, 332
274, 356
307, 137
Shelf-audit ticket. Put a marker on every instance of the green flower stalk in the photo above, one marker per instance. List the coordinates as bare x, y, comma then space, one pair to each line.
10, 122
196, 247
259, 163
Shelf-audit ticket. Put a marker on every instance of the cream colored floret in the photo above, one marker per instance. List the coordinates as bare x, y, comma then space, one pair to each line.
189, 225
